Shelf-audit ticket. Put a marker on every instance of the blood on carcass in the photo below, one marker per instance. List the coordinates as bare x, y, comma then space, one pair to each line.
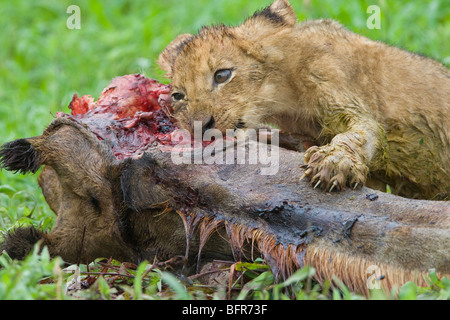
133, 113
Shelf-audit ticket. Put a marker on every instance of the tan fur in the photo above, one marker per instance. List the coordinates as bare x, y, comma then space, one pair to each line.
378, 112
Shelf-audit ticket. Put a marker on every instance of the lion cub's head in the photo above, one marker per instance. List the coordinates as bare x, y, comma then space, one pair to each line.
225, 76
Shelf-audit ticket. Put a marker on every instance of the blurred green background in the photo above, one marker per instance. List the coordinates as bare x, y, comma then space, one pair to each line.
43, 62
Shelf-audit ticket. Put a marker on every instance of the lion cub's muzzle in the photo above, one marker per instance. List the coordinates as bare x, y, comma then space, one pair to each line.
198, 123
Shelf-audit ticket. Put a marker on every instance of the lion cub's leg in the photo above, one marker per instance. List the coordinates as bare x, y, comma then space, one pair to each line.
348, 156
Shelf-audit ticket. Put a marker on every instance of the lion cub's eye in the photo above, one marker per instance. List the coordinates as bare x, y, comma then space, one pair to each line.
222, 75
177, 96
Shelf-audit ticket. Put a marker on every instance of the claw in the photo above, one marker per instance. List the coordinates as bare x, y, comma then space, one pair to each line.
305, 174
333, 186
355, 186
317, 184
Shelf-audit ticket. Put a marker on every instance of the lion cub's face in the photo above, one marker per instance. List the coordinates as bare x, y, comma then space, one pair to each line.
215, 82
222, 75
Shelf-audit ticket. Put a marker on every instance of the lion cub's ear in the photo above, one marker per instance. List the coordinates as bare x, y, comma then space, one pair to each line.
167, 58
254, 32
279, 12
277, 16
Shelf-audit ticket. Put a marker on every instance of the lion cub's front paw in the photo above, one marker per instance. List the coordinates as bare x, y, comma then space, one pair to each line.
332, 167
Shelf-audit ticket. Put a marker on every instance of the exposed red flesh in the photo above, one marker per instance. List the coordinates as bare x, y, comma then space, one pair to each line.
132, 113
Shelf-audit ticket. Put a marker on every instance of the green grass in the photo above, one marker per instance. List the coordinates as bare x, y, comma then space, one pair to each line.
43, 63
40, 277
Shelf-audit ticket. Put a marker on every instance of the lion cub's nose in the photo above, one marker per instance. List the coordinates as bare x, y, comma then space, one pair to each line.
205, 122
208, 123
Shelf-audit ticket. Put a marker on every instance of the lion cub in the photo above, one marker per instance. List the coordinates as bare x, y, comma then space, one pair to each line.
375, 111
